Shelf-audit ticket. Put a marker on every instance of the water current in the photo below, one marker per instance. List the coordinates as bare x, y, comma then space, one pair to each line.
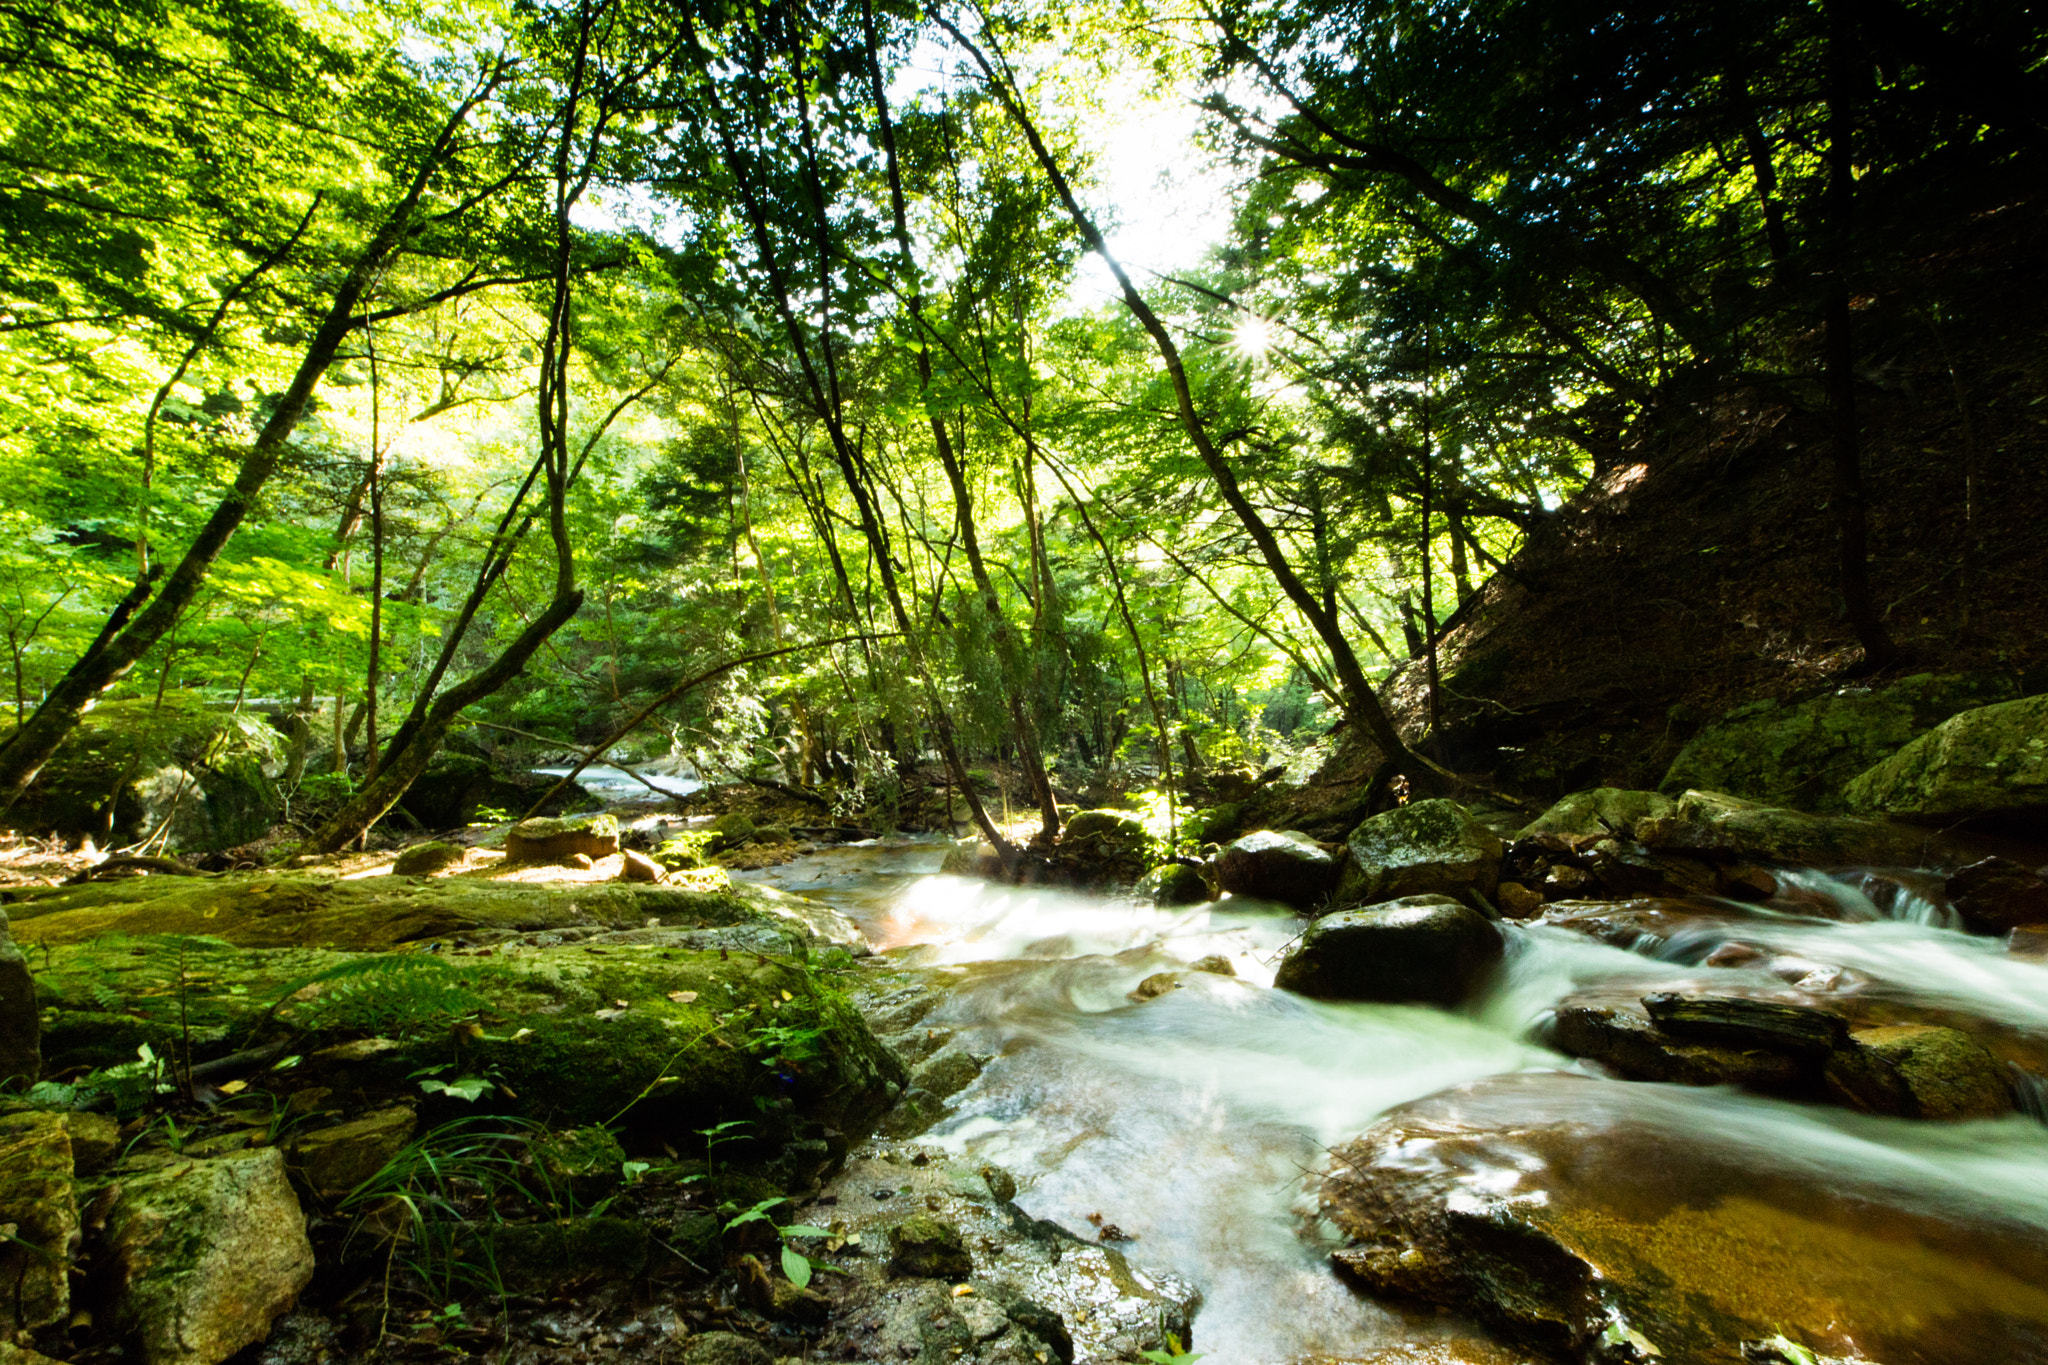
1193, 1121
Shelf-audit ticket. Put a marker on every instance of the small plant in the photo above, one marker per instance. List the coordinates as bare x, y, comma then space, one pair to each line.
795, 1264
714, 1137
1172, 1355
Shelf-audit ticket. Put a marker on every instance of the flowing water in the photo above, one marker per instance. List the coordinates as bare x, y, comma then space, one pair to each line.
1191, 1121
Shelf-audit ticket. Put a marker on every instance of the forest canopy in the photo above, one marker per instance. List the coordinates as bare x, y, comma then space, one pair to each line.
737, 380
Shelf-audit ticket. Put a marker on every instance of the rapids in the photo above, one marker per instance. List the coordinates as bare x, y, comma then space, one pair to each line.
1192, 1122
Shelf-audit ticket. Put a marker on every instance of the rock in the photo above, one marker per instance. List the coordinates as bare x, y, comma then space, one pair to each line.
1156, 985
1278, 865
725, 1348
544, 1257
928, 1248
546, 840
1600, 812
202, 1255
948, 1072
1517, 901
1423, 848
1746, 1022
1172, 884
424, 860
1998, 895
21, 1028
966, 857
1232, 784
1578, 1216
1805, 755
1772, 834
641, 868
735, 825
457, 789
1621, 1036
95, 1140
1992, 761
336, 1159
1918, 1071
582, 862
40, 1211
1215, 964
1421, 948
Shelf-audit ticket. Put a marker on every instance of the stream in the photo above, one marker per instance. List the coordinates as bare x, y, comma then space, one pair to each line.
1191, 1121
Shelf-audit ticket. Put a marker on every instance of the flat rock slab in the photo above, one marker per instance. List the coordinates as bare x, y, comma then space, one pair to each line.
1576, 1215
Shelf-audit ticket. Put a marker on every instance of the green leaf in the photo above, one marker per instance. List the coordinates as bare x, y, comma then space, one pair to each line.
796, 1266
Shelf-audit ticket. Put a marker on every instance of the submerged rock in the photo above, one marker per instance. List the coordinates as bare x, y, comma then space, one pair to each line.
21, 1029
1581, 1217
40, 1211
1424, 848
1992, 761
1419, 948
550, 840
1278, 865
201, 1256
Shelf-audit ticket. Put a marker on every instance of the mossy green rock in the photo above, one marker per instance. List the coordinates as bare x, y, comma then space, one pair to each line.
1804, 755
424, 860
1423, 848
1919, 1071
929, 1248
1992, 761
544, 1256
546, 840
1281, 865
39, 1209
335, 1159
1172, 884
586, 1162
725, 1348
1601, 812
1794, 838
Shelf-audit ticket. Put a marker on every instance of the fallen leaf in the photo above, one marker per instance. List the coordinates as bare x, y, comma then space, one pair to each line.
682, 997
609, 1014
233, 1087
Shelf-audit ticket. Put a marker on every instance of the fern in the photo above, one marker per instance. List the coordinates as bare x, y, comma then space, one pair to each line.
390, 993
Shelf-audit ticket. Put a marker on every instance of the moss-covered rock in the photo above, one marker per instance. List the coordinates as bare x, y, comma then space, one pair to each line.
39, 1210
1278, 865
1600, 812
335, 1159
685, 852
1774, 834
929, 1248
21, 1030
547, 1256
546, 839
1424, 848
1172, 884
424, 860
1992, 761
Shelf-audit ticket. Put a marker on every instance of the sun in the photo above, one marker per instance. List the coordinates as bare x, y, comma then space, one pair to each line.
1254, 336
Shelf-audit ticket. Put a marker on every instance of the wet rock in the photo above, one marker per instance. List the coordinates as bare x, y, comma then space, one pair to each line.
1424, 848
1101, 848
1580, 1217
1215, 964
1601, 812
1517, 901
1419, 948
948, 1072
1567, 882
202, 1255
1773, 834
1621, 1036
1172, 884
1156, 985
550, 840
1918, 1071
641, 868
1748, 882
40, 1214
730, 830
21, 1029
966, 858
1992, 761
928, 1248
336, 1159
1746, 1022
1997, 895
1804, 755
725, 1348
1277, 865
424, 860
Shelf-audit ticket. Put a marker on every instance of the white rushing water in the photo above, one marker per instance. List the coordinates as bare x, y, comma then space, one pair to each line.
615, 785
1192, 1121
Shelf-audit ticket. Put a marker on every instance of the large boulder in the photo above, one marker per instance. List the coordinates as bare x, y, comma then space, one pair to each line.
40, 1212
1419, 948
1172, 884
21, 1029
1423, 848
1998, 895
1600, 812
1278, 865
1776, 835
1989, 762
1803, 755
1102, 848
201, 1256
1593, 1221
546, 839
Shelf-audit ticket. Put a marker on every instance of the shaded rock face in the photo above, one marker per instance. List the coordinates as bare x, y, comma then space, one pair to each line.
1998, 895
1429, 949
1278, 865
37, 1204
1989, 762
1616, 1223
1600, 812
1804, 755
21, 1029
1424, 848
200, 1256
456, 786
1772, 834
336, 1159
545, 840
